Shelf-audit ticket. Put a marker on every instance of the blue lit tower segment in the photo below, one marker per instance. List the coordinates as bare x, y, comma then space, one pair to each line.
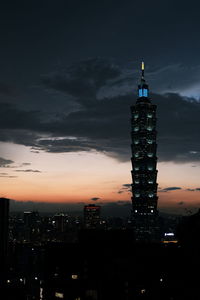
144, 161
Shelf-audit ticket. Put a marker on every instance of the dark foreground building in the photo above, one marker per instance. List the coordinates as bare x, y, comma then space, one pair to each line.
144, 160
4, 217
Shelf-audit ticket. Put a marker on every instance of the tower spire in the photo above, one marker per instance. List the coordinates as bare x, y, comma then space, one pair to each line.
143, 90
142, 68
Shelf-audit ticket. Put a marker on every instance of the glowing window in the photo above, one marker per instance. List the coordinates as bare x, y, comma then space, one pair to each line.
59, 295
145, 92
136, 168
149, 141
149, 115
150, 168
151, 210
136, 142
150, 195
136, 154
140, 92
137, 181
135, 210
150, 181
149, 128
136, 128
135, 116
74, 276
150, 154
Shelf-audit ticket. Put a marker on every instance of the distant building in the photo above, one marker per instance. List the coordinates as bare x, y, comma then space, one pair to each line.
144, 161
31, 218
4, 220
59, 220
92, 215
31, 225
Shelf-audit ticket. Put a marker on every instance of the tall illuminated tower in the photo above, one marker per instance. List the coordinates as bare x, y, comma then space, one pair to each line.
144, 161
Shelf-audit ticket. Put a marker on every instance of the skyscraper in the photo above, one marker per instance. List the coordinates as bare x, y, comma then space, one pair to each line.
144, 161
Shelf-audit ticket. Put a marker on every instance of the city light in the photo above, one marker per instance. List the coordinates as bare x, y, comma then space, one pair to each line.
59, 295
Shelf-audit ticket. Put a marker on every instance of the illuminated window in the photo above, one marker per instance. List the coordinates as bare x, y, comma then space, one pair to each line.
151, 210
136, 116
149, 115
145, 92
137, 195
149, 141
150, 168
135, 210
136, 142
74, 276
150, 195
150, 154
137, 181
59, 295
136, 154
149, 128
140, 93
136, 128
150, 181
136, 168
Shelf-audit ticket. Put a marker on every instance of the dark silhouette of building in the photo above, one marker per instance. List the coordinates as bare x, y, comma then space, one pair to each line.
31, 225
92, 215
188, 231
59, 220
144, 161
4, 220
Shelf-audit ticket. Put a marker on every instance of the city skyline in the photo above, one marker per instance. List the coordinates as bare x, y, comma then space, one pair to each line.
65, 122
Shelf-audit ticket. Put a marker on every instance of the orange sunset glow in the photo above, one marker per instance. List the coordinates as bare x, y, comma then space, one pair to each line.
78, 177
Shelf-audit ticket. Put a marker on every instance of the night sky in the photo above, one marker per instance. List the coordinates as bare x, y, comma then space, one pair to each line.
68, 74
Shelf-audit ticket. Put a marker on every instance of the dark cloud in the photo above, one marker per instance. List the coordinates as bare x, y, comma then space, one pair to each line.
84, 79
102, 124
28, 171
193, 190
8, 176
5, 162
127, 187
172, 188
95, 198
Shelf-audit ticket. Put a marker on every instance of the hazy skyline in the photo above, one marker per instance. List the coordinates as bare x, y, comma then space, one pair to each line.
69, 73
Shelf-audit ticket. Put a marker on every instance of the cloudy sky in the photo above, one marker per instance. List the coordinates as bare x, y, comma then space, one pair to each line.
68, 75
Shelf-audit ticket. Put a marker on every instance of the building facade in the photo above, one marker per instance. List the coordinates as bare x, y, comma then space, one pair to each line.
144, 162
92, 216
